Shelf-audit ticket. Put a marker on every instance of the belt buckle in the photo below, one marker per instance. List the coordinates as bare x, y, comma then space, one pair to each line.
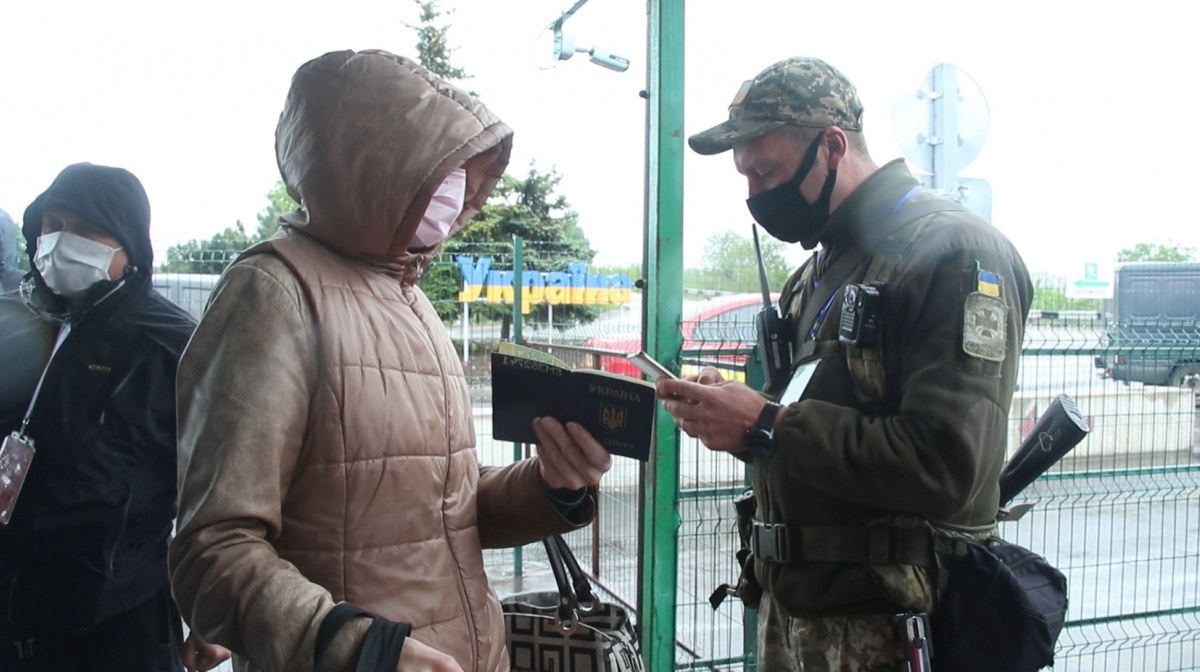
770, 542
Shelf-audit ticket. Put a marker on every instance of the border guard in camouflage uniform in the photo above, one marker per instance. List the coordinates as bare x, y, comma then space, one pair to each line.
892, 430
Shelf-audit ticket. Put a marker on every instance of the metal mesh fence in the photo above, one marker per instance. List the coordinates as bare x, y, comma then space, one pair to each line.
1120, 516
609, 549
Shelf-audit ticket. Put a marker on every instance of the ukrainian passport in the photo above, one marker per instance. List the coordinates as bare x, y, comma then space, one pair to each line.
527, 384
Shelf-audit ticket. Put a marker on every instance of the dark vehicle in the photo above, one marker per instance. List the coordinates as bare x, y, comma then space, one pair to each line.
1154, 331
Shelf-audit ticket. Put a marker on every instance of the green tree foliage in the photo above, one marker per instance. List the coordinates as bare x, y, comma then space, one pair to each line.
22, 253
632, 270
214, 254
207, 256
433, 45
1052, 296
1168, 251
529, 207
729, 264
279, 203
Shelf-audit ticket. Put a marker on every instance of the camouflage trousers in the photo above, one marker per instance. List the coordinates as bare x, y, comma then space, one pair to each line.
835, 644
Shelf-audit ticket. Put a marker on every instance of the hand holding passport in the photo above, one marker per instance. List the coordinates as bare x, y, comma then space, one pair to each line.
526, 384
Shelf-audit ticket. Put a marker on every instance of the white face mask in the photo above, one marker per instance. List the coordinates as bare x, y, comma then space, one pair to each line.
444, 209
71, 264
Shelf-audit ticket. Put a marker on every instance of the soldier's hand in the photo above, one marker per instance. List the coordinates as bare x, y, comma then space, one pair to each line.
718, 414
569, 457
417, 657
709, 375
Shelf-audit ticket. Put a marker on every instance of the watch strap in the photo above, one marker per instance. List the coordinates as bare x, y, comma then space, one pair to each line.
770, 412
760, 439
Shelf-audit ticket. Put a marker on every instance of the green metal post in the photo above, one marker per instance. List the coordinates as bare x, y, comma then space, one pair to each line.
518, 285
756, 379
663, 306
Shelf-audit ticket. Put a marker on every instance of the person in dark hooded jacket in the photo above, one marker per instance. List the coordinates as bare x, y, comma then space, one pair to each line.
10, 275
83, 560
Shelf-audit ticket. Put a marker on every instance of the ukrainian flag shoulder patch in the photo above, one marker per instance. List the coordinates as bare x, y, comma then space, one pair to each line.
988, 283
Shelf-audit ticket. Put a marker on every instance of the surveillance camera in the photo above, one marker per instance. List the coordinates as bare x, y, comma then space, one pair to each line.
564, 46
609, 59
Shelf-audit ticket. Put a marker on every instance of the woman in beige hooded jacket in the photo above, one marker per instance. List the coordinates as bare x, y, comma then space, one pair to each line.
327, 451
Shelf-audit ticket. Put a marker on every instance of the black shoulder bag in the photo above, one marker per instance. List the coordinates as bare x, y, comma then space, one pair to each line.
1004, 606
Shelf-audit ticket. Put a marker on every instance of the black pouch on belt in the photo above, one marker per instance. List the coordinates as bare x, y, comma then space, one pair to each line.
747, 590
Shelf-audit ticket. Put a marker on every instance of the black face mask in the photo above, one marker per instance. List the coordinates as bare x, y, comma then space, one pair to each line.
784, 213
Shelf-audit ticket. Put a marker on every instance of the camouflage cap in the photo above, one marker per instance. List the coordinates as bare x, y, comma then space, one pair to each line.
799, 91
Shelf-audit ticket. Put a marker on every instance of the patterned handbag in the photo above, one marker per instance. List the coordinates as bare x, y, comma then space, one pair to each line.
571, 630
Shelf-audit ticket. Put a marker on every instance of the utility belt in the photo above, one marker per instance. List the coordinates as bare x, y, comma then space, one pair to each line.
998, 602
848, 544
888, 547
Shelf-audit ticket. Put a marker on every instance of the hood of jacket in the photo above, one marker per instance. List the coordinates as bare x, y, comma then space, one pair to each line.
111, 198
364, 140
8, 243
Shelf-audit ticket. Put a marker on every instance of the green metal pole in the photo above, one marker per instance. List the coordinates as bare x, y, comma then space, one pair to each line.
755, 379
518, 285
663, 306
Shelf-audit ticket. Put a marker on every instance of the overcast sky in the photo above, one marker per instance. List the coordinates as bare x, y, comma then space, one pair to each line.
1094, 107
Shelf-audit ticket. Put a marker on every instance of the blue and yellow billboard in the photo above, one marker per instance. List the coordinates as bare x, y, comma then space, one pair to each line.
574, 286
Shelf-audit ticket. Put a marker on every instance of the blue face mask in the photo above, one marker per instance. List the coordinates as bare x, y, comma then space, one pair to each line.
783, 211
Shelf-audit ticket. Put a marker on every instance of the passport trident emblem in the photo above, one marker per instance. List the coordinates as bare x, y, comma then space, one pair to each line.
613, 417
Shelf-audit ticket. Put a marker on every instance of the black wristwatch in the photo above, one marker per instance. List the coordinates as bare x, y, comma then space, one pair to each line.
760, 439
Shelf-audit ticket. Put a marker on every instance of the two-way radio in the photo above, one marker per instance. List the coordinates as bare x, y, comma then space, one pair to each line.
773, 343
